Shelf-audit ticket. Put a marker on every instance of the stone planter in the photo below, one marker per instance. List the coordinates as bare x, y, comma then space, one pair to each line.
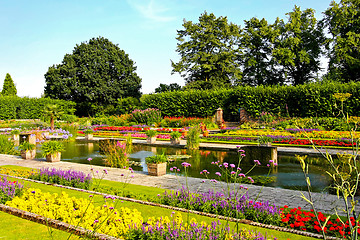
151, 139
268, 144
53, 157
175, 141
16, 137
89, 136
156, 169
29, 154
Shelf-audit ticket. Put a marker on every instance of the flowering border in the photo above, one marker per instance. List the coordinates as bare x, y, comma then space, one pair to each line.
243, 221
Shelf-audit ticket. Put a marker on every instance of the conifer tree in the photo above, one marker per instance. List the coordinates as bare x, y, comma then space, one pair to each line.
9, 88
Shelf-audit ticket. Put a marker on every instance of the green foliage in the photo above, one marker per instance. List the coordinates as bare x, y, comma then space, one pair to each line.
315, 99
343, 22
156, 159
13, 107
148, 116
208, 51
127, 105
193, 138
167, 88
26, 146
298, 48
260, 67
97, 72
9, 88
151, 133
51, 147
175, 134
116, 153
6, 145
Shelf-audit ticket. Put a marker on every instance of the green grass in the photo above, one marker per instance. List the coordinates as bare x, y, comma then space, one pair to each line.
146, 211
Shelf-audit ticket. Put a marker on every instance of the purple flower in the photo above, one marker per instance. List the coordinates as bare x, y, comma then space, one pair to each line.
226, 165
105, 171
219, 174
232, 172
185, 164
89, 159
232, 165
257, 162
241, 175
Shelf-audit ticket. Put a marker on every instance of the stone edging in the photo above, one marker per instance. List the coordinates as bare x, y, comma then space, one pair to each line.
243, 221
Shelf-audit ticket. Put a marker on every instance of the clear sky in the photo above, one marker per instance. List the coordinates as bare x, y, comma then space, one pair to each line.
36, 34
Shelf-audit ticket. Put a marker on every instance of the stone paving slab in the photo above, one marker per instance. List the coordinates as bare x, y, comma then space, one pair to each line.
324, 202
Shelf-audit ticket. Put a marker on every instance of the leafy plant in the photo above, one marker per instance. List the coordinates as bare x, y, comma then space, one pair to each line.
156, 159
151, 133
116, 153
175, 134
88, 131
264, 140
6, 145
148, 116
193, 138
26, 146
52, 147
15, 131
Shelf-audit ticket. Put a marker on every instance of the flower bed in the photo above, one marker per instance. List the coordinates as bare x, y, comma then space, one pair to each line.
64, 177
306, 221
9, 189
232, 204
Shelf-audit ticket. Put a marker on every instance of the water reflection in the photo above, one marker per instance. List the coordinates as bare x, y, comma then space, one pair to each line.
288, 173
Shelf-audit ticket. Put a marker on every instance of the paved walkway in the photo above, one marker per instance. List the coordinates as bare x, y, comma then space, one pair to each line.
324, 202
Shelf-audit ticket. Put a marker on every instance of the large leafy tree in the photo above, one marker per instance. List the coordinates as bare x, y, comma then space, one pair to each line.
167, 88
298, 49
208, 52
343, 22
259, 65
97, 73
9, 88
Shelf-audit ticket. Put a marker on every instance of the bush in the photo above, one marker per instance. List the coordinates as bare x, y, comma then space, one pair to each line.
148, 116
13, 107
315, 99
127, 105
6, 145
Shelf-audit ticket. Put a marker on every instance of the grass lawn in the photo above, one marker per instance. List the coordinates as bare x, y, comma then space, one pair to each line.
33, 230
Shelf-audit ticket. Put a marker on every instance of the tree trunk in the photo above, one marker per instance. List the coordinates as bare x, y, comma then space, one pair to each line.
52, 125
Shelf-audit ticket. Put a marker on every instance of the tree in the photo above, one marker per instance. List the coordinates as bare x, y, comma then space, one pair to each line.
53, 112
167, 88
298, 49
97, 73
9, 88
343, 23
259, 65
208, 51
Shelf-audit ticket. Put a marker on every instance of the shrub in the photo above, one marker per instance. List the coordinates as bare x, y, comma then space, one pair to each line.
26, 146
193, 138
315, 99
6, 145
116, 153
51, 147
148, 116
127, 105
13, 107
156, 159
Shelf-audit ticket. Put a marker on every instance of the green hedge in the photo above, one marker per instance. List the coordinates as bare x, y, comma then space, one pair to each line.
307, 100
12, 107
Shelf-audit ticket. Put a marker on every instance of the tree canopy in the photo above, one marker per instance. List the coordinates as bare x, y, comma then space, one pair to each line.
167, 88
9, 88
97, 73
343, 23
208, 51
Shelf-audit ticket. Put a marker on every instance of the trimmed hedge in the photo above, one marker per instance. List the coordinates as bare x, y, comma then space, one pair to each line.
13, 107
307, 100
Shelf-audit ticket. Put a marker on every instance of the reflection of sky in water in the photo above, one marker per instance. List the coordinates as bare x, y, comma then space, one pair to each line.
288, 173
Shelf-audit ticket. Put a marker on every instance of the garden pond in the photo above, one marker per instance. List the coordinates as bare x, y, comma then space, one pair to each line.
287, 174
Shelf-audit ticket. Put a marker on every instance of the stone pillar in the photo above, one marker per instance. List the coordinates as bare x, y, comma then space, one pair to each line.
219, 116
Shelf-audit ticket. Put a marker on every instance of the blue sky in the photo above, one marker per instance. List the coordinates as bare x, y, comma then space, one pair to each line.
34, 35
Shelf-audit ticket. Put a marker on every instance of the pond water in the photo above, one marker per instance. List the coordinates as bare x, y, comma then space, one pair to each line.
288, 173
